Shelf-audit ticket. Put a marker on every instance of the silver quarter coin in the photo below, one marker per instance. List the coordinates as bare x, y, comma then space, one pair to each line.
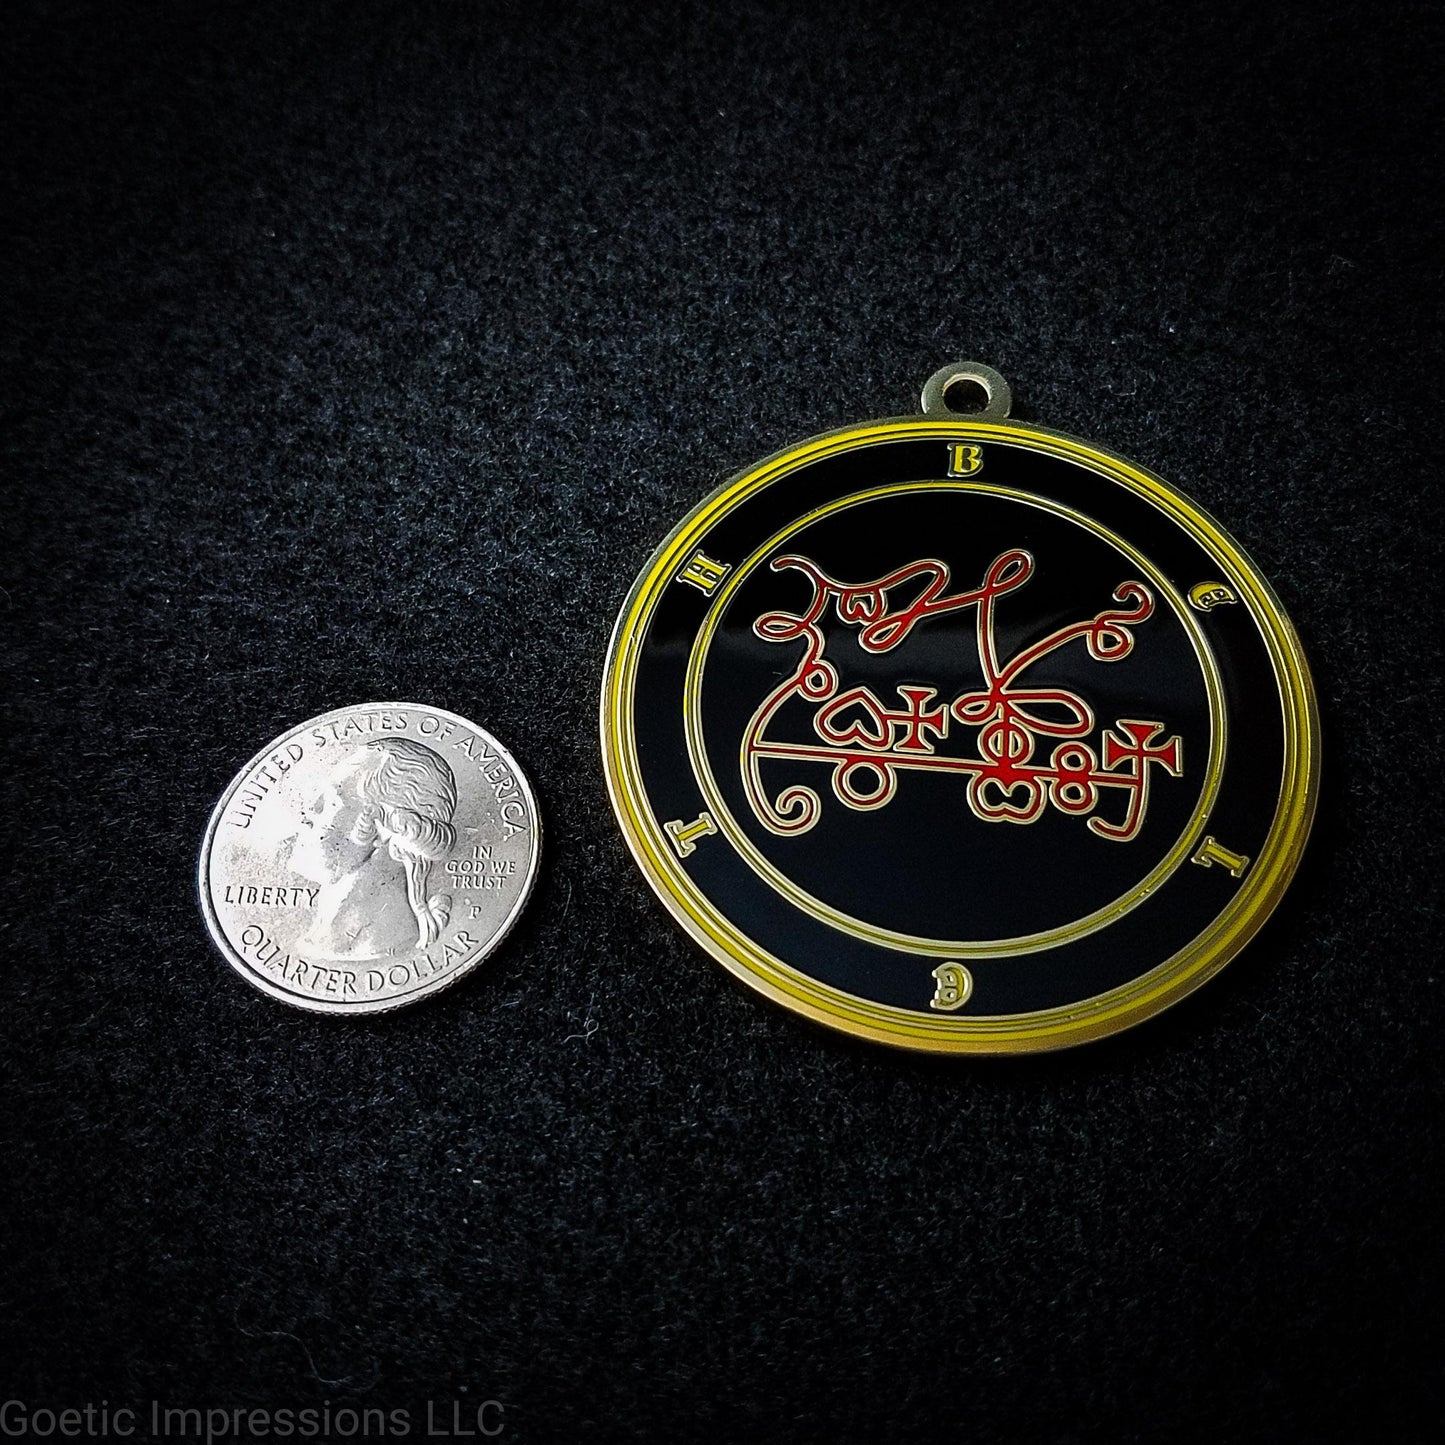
369, 857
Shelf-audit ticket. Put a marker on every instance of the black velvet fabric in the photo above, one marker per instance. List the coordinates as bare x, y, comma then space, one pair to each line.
364, 351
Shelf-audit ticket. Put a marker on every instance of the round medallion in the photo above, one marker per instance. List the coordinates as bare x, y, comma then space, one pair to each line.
960, 734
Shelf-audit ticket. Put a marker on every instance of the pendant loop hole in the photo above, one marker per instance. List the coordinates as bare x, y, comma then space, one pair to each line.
965, 394
967, 388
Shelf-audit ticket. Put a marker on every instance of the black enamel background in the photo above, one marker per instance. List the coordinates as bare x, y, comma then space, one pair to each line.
923, 863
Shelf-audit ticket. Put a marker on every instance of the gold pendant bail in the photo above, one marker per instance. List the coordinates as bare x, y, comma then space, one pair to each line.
967, 388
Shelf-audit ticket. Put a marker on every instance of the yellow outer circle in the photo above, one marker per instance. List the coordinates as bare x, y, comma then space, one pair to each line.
1091, 1018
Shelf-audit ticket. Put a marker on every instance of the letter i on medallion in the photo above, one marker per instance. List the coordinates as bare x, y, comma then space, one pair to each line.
979, 739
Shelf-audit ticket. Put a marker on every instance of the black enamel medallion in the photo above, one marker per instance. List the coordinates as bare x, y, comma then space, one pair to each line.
961, 735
